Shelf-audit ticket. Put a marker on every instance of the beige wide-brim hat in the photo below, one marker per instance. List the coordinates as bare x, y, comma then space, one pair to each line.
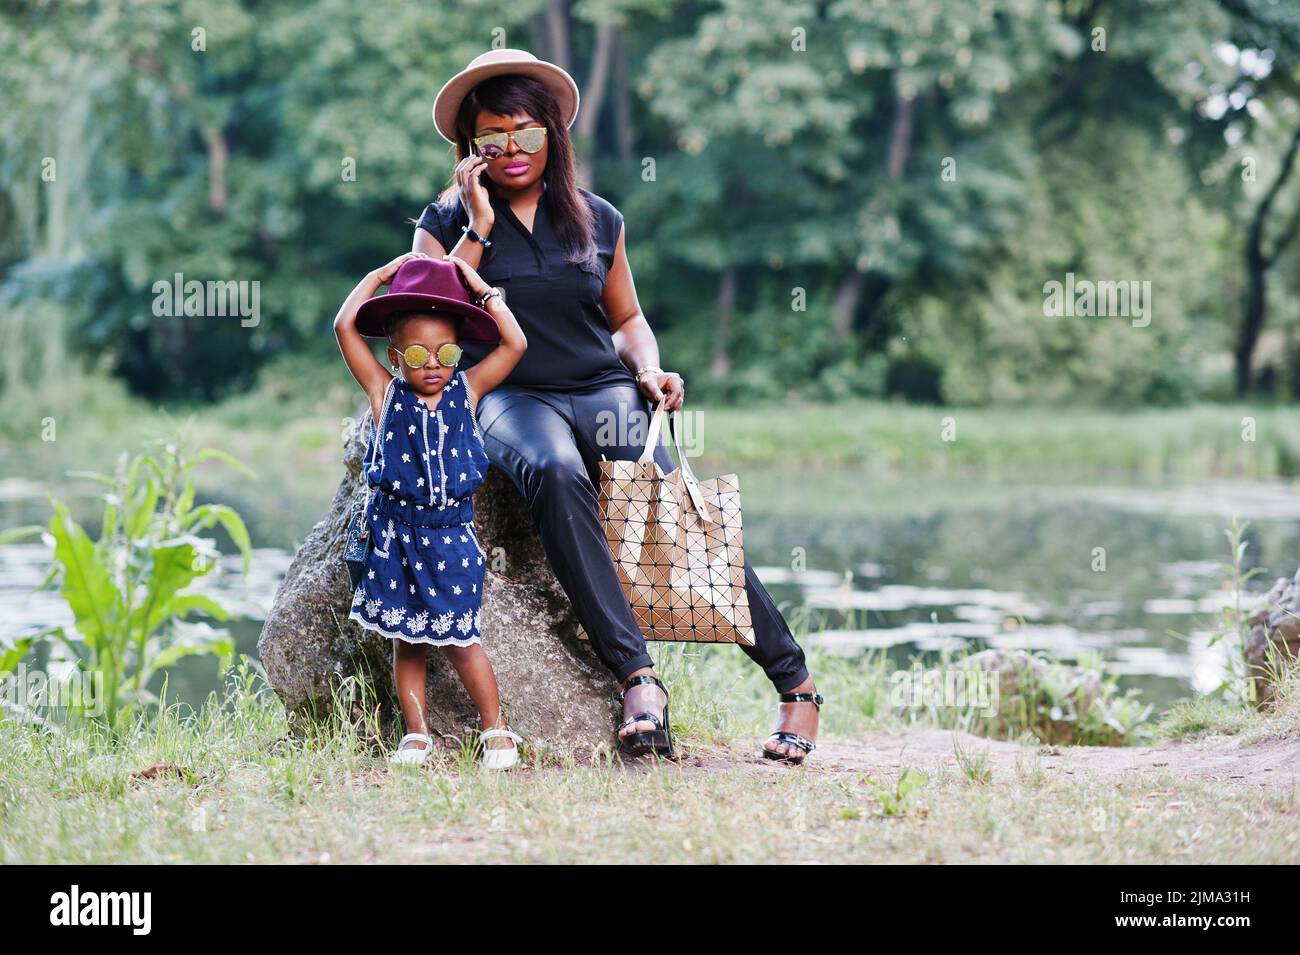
495, 63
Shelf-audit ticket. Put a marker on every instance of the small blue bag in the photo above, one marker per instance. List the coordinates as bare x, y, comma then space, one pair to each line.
357, 545
357, 542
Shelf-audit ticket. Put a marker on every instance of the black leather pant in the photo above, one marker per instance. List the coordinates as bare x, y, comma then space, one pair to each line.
550, 445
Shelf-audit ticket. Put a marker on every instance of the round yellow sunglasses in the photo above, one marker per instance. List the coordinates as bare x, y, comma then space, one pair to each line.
417, 356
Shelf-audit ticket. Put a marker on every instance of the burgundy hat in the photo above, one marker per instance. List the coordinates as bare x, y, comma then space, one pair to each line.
428, 285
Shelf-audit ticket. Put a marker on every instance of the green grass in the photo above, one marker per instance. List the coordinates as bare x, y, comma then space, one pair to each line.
1200, 441
229, 784
1207, 717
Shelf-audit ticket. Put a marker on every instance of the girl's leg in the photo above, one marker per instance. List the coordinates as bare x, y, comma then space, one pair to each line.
480, 682
409, 663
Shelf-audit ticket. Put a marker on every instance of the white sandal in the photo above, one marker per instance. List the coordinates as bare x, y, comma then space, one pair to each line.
500, 758
412, 756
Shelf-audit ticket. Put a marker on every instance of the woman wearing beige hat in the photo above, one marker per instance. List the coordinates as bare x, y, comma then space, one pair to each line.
516, 214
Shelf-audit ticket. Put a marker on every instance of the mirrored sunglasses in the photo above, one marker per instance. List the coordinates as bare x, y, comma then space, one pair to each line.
528, 140
417, 356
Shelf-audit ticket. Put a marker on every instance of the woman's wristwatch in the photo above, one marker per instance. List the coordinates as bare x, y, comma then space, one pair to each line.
645, 369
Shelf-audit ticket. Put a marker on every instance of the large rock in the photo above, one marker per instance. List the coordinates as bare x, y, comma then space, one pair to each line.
555, 692
1274, 639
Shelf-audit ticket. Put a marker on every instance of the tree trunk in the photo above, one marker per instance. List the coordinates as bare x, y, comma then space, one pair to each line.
557, 32
900, 135
847, 296
726, 310
593, 93
218, 159
1258, 262
622, 99
593, 97
1252, 319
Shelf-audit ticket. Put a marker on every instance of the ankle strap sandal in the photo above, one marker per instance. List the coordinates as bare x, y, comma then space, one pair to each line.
659, 740
794, 739
814, 698
412, 755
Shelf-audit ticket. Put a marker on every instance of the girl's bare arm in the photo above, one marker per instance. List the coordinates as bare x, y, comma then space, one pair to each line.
366, 369
498, 363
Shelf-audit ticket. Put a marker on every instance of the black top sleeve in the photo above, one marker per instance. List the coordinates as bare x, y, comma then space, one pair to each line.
609, 223
615, 229
433, 222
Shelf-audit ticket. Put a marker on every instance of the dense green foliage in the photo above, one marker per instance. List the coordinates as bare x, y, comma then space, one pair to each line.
846, 198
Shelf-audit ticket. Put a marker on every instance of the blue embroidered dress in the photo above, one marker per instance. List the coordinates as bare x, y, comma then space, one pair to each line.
424, 577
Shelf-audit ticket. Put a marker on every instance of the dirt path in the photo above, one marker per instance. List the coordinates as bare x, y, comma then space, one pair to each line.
1274, 763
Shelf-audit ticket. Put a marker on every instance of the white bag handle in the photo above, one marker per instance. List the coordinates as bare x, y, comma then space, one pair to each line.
652, 441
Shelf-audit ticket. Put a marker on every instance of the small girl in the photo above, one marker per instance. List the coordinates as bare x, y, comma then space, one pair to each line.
423, 581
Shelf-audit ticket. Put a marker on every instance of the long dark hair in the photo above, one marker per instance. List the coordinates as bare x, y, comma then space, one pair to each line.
508, 95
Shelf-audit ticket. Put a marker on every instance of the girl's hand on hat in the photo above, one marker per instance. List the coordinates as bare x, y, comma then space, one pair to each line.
472, 278
384, 274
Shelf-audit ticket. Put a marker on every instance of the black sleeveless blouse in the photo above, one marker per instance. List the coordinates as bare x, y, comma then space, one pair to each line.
557, 303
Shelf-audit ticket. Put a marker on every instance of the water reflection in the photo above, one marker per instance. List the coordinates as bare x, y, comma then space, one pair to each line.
1133, 574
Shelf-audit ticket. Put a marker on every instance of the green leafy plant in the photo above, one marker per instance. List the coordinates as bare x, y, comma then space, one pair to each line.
1233, 626
974, 765
897, 800
1055, 702
127, 590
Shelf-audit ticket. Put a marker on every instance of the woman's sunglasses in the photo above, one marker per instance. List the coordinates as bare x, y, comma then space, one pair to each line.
417, 356
494, 145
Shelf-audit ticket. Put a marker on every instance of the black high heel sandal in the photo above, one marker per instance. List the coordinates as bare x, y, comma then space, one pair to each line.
658, 740
794, 739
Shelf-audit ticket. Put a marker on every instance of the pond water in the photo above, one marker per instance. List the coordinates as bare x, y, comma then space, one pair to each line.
911, 566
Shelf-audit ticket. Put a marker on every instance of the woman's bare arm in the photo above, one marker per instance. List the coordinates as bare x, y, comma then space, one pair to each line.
466, 248
473, 197
634, 339
493, 368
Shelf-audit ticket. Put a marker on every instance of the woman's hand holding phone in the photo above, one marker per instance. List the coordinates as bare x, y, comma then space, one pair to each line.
474, 197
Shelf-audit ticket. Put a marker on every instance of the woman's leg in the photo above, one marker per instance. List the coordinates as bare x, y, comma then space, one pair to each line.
529, 436
550, 445
614, 422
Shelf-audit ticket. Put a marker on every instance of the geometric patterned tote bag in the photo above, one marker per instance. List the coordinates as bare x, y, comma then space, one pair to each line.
677, 545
